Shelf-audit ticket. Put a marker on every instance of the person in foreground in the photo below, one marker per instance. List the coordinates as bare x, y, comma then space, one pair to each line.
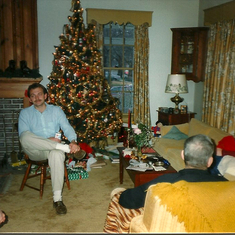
3, 218
126, 204
37, 127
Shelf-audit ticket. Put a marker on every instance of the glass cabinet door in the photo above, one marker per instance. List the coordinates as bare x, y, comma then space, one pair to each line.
189, 52
186, 53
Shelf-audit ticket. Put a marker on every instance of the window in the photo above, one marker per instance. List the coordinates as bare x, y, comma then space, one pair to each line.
118, 59
135, 24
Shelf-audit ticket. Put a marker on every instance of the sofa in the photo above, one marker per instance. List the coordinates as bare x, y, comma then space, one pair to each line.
179, 207
172, 140
185, 207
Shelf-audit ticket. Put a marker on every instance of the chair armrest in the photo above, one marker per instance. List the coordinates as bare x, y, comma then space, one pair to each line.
156, 217
137, 225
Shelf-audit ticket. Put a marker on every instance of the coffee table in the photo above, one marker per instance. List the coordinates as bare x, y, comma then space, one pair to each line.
139, 177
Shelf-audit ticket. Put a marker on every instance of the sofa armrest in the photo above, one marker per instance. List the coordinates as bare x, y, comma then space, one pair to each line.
177, 208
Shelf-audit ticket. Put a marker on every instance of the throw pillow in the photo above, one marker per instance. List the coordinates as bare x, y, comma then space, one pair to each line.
182, 127
176, 134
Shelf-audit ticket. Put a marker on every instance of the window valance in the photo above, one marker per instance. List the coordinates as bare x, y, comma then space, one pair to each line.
104, 16
219, 13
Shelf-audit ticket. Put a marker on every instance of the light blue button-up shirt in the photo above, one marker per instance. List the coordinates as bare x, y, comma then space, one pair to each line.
47, 123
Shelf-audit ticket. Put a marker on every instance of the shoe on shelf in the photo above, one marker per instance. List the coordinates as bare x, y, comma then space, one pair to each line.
60, 207
79, 155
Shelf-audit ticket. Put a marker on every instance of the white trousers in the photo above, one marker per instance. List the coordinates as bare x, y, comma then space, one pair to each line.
39, 148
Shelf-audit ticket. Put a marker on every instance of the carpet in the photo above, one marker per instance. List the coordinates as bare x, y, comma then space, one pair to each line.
6, 176
5, 182
87, 204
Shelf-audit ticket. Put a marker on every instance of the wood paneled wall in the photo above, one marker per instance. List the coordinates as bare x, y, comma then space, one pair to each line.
18, 33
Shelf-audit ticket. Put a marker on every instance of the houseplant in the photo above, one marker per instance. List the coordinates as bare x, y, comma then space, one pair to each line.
142, 136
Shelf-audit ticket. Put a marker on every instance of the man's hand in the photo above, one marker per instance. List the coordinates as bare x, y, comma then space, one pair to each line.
218, 152
74, 147
2, 216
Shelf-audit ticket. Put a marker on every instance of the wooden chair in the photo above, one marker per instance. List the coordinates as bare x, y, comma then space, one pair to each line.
40, 171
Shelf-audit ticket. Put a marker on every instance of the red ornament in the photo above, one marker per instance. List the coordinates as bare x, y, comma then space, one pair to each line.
127, 156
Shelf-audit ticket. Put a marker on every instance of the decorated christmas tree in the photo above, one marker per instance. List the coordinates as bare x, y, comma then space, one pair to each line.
77, 84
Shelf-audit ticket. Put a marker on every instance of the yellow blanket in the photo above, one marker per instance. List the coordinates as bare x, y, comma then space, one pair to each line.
203, 207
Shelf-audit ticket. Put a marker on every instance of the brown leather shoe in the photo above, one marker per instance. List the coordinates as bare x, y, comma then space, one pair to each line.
79, 155
60, 208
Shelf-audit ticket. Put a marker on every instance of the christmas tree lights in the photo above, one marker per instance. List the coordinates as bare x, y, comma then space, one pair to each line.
77, 84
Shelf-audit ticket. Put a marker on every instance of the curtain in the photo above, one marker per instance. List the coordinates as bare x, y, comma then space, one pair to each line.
141, 110
219, 87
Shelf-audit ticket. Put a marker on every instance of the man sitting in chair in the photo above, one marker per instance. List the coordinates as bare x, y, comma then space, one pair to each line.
128, 203
37, 127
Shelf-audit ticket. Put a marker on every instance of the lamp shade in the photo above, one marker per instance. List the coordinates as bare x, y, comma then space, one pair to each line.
176, 83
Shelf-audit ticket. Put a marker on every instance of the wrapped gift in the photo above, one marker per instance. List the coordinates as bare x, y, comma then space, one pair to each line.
35, 169
77, 173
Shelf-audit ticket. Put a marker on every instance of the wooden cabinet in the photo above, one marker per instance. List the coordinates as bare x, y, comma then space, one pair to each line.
18, 33
174, 119
189, 47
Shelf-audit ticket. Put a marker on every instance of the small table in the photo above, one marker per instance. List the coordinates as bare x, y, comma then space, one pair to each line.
139, 177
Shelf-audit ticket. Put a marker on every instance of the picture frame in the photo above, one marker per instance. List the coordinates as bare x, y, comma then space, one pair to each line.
183, 109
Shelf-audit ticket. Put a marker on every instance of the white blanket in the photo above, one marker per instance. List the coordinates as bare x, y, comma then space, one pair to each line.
227, 167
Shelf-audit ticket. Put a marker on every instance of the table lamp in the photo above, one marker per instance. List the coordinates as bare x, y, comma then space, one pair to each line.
176, 83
